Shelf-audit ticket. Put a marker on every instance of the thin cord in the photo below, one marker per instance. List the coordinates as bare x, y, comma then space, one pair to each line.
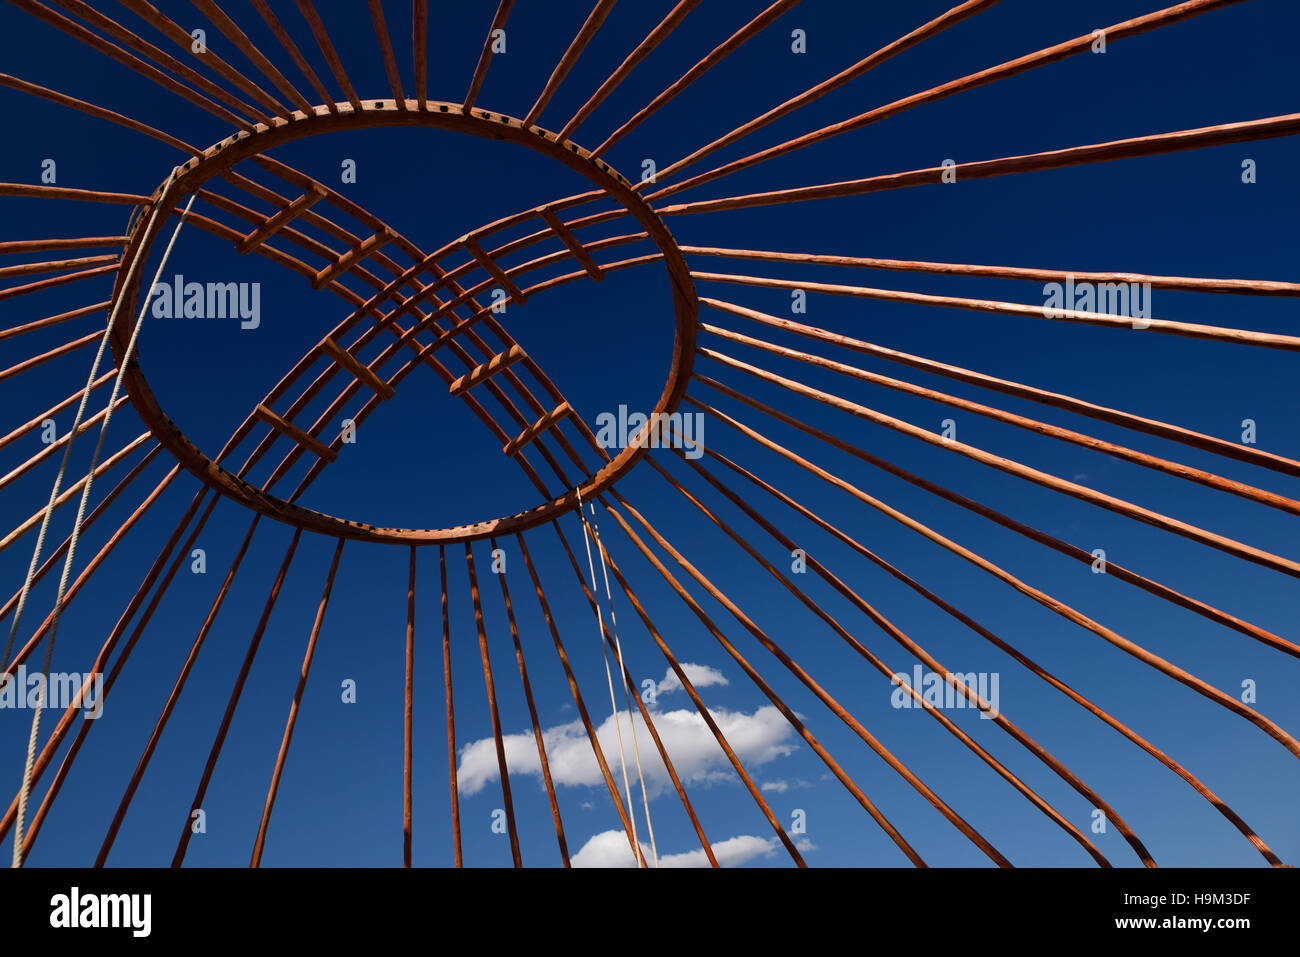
25, 792
63, 465
618, 646
613, 702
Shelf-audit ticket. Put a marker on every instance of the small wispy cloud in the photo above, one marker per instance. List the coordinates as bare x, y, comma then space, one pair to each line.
700, 676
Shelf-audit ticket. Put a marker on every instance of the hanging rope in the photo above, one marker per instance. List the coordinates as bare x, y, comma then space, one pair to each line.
25, 791
63, 466
609, 678
613, 702
618, 646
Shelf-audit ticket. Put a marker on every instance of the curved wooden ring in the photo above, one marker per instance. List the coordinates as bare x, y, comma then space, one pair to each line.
379, 113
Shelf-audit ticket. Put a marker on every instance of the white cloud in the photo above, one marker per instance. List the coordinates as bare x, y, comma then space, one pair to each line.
756, 738
780, 785
700, 676
606, 849
730, 853
611, 849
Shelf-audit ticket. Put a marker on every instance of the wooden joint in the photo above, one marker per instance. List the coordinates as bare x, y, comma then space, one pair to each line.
537, 428
490, 368
494, 270
359, 370
296, 434
566, 236
315, 193
345, 261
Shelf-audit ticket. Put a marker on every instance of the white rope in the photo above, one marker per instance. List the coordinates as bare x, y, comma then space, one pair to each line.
63, 465
618, 646
609, 678
25, 792
613, 702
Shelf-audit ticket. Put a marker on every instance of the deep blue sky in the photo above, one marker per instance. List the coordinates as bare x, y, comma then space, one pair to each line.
424, 460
